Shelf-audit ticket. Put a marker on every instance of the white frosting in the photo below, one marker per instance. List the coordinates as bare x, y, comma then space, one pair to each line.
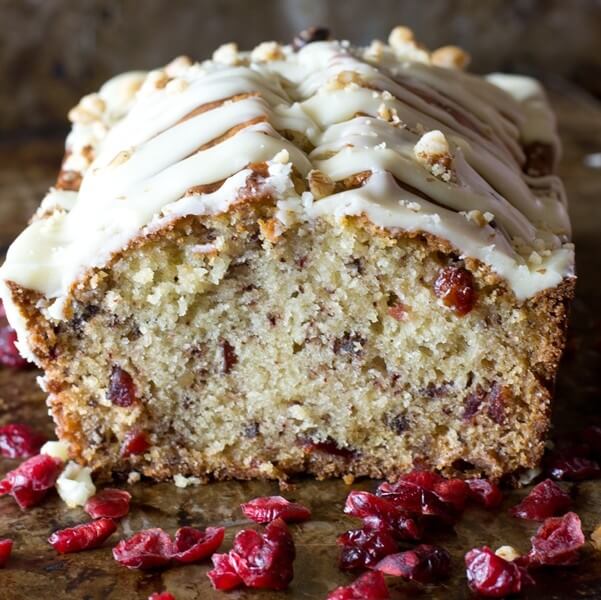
144, 141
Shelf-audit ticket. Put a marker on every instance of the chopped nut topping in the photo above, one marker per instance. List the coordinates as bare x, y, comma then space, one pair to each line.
178, 66
89, 109
227, 54
282, 157
389, 114
375, 51
121, 158
266, 52
320, 184
535, 259
432, 151
450, 57
176, 85
343, 80
479, 218
155, 80
508, 553
399, 36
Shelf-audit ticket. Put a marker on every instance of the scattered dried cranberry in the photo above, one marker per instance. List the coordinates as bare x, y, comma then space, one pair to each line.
545, 500
135, 442
110, 503
82, 537
363, 548
145, 550
264, 560
9, 355
6, 547
223, 576
557, 541
379, 514
193, 545
568, 464
32, 479
161, 596
415, 499
268, 508
370, 586
424, 563
490, 575
484, 492
19, 441
455, 287
453, 491
122, 390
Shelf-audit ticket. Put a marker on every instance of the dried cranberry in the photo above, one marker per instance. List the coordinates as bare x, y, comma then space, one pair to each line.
569, 464
161, 596
32, 479
379, 514
455, 287
557, 541
490, 575
370, 586
9, 355
19, 441
135, 442
82, 537
453, 491
110, 503
328, 446
363, 548
193, 545
424, 563
264, 560
413, 498
223, 576
484, 492
145, 550
6, 547
122, 389
268, 508
545, 500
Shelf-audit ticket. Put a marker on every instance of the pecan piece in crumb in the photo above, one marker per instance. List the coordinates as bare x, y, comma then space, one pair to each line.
472, 402
229, 357
498, 397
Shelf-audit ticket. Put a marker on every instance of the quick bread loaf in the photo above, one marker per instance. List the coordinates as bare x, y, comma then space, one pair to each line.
314, 258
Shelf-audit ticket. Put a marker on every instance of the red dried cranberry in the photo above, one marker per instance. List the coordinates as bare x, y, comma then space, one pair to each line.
557, 541
145, 550
490, 575
370, 586
455, 287
453, 491
363, 548
328, 446
268, 508
193, 545
223, 576
400, 525
569, 464
424, 563
398, 312
122, 390
545, 500
161, 596
82, 537
135, 442
32, 479
264, 560
413, 498
6, 547
110, 503
9, 355
19, 441
484, 492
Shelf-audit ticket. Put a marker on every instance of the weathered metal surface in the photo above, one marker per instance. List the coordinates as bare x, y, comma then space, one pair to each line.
35, 571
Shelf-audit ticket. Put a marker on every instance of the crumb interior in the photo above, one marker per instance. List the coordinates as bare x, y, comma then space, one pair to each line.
324, 351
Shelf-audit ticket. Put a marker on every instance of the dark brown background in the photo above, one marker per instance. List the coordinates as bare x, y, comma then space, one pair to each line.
52, 51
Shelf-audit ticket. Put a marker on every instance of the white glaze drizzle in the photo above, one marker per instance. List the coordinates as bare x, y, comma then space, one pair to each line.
147, 147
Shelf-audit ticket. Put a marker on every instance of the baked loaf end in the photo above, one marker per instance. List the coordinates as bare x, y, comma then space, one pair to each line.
311, 258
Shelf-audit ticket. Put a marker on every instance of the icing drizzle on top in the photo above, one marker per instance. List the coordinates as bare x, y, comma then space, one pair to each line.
443, 150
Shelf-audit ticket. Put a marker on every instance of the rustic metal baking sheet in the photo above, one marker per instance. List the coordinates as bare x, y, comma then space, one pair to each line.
35, 571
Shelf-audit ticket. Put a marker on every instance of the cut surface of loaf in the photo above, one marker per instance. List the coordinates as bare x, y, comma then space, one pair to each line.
313, 258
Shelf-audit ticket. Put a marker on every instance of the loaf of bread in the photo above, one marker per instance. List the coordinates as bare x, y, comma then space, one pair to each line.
311, 258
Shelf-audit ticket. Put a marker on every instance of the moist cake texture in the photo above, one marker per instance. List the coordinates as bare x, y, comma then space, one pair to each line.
315, 258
